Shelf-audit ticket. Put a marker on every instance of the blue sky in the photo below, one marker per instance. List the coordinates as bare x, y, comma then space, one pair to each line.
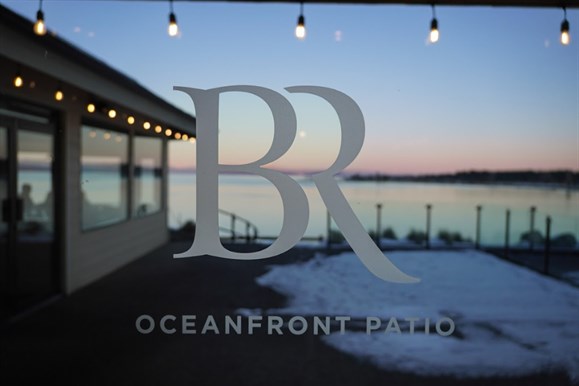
498, 91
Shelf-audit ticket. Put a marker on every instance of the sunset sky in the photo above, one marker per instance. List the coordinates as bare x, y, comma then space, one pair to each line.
498, 91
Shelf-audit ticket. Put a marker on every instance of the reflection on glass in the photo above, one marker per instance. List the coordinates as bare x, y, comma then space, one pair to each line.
147, 176
103, 177
34, 182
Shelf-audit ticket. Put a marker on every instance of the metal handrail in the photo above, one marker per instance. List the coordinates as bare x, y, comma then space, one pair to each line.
249, 227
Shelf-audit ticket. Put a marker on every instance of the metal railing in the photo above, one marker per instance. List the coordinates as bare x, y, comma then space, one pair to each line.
250, 234
536, 238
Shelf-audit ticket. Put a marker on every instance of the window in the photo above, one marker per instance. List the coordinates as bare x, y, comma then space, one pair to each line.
147, 175
104, 177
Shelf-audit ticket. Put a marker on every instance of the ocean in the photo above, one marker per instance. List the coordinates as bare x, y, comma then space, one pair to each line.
403, 206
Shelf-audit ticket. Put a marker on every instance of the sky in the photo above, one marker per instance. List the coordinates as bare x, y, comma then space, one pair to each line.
498, 91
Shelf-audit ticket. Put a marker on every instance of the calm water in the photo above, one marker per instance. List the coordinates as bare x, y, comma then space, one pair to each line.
403, 206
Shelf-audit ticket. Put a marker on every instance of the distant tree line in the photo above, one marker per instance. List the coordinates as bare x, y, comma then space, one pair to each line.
556, 177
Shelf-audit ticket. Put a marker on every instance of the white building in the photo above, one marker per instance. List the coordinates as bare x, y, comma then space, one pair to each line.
83, 166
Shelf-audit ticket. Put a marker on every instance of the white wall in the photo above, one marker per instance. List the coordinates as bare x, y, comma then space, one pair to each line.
89, 255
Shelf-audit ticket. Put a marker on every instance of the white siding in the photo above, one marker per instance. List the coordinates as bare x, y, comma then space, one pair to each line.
92, 254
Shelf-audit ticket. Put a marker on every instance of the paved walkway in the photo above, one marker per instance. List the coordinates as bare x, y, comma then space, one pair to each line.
90, 338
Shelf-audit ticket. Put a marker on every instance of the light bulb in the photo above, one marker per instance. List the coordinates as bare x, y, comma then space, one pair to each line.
18, 81
301, 28
90, 108
177, 135
59, 95
168, 132
158, 129
192, 140
146, 125
434, 34
173, 27
185, 137
565, 37
39, 26
112, 113
130, 119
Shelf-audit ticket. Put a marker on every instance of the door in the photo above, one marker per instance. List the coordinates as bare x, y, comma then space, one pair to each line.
27, 233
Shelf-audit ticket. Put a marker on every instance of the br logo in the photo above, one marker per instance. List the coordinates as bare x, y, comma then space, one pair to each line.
294, 200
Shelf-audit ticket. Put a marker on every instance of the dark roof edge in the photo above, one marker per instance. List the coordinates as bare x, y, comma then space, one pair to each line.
82, 58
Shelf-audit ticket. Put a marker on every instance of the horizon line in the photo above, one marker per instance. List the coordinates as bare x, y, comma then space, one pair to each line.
415, 174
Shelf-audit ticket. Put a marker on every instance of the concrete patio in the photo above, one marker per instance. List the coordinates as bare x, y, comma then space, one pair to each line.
89, 338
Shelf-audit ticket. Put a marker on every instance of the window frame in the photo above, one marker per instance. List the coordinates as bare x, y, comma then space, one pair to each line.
133, 167
127, 205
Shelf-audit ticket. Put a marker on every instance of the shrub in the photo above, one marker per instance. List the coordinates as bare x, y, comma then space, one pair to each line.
188, 227
535, 237
336, 236
389, 234
417, 237
450, 237
565, 240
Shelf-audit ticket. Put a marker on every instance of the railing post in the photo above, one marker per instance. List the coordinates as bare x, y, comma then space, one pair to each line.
328, 229
547, 245
507, 232
232, 228
428, 208
247, 237
477, 241
378, 223
532, 228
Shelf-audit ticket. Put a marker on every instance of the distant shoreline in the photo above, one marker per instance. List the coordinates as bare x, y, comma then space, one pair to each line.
548, 179
557, 179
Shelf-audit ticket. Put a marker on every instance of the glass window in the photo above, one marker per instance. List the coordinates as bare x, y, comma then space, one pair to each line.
147, 175
34, 183
104, 175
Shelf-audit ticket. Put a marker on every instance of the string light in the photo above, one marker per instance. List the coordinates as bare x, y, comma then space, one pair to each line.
58, 94
39, 26
301, 26
177, 135
185, 137
18, 81
173, 28
91, 108
146, 125
112, 113
107, 136
565, 37
192, 140
168, 132
130, 120
434, 34
158, 129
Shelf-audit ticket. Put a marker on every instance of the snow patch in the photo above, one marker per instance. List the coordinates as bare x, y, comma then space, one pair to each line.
509, 320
